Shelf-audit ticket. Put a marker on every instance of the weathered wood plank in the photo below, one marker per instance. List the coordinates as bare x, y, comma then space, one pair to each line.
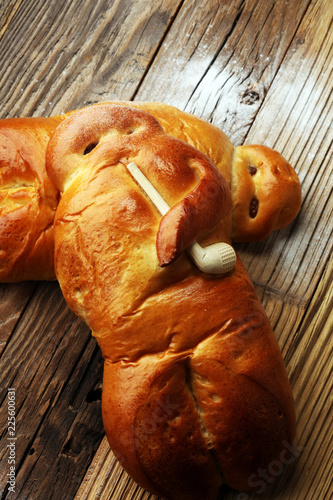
310, 369
285, 307
105, 478
60, 453
211, 43
216, 63
13, 299
53, 364
53, 65
8, 9
296, 120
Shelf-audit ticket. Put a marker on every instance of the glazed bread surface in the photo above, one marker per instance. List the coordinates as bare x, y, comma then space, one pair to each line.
195, 391
266, 193
265, 190
28, 200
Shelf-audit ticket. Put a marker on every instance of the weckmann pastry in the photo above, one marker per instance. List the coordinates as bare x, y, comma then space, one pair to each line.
195, 391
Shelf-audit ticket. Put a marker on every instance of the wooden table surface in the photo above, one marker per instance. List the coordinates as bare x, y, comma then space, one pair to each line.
261, 70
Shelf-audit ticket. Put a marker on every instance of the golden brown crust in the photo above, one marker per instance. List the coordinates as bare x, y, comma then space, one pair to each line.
195, 390
159, 438
200, 134
27, 210
28, 200
115, 136
266, 193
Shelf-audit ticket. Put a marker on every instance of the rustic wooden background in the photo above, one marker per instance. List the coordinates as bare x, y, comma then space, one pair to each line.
261, 70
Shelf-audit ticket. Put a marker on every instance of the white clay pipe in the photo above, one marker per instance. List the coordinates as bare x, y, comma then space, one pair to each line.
218, 258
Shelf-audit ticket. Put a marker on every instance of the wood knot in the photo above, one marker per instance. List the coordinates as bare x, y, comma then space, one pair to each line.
250, 96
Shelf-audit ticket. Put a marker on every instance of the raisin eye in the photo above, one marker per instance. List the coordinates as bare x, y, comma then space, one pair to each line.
89, 148
254, 205
252, 170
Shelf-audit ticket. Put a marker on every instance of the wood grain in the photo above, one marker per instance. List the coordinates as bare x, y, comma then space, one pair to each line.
106, 479
13, 300
291, 103
260, 70
53, 364
310, 374
77, 53
224, 69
